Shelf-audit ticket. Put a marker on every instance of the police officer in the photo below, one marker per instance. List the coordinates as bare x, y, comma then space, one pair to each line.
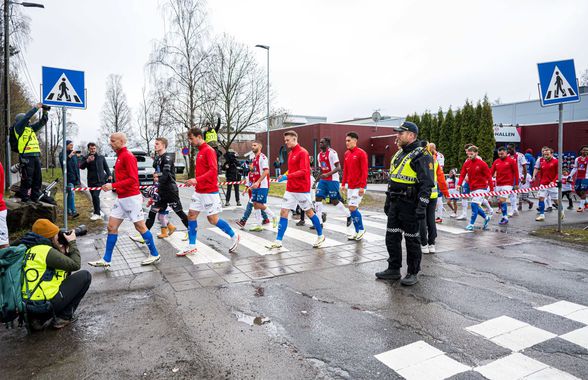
409, 191
29, 152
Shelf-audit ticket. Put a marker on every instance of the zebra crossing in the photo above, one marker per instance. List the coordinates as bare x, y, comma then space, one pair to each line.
212, 241
420, 360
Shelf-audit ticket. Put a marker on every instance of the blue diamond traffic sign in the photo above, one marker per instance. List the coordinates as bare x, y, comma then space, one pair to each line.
62, 87
557, 82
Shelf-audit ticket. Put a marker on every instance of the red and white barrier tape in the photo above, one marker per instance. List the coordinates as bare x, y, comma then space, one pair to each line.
243, 182
497, 193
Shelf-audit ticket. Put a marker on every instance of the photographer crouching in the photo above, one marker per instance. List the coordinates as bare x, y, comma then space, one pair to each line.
51, 291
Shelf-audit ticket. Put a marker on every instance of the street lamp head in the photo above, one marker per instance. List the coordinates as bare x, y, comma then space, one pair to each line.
32, 5
266, 47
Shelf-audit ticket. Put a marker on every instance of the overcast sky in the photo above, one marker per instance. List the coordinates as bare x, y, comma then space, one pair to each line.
335, 58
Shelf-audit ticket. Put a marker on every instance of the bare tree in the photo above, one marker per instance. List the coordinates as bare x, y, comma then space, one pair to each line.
55, 124
116, 114
161, 109
235, 87
180, 55
584, 78
143, 123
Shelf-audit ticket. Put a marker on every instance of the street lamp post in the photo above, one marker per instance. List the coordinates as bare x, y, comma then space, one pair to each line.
6, 100
266, 47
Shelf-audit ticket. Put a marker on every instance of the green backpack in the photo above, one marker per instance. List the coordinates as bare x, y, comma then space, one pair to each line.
12, 260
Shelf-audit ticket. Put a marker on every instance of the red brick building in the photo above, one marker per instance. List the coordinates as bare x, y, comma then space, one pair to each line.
535, 136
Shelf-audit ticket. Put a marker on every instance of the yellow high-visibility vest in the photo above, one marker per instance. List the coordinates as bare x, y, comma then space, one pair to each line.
36, 271
403, 172
211, 135
33, 144
435, 190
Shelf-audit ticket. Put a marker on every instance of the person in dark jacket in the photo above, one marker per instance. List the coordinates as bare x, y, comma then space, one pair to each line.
98, 175
164, 180
50, 261
409, 191
73, 177
231, 168
29, 152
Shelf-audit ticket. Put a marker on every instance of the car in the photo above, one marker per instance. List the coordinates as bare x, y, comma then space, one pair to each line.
144, 165
180, 166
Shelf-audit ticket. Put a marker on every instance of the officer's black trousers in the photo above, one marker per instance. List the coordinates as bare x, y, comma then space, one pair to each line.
30, 170
428, 228
402, 219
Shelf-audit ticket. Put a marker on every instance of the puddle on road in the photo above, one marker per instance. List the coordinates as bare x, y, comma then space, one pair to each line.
252, 320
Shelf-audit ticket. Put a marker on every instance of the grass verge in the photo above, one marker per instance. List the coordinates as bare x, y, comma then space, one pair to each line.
575, 234
83, 205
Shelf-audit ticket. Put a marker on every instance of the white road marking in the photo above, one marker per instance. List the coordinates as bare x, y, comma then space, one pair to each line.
440, 227
370, 237
579, 337
306, 237
514, 366
255, 243
420, 360
205, 254
569, 310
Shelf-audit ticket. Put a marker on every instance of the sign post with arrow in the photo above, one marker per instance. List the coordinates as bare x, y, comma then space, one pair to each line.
558, 85
63, 88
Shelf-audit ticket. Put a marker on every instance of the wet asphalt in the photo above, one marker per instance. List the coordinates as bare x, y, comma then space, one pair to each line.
326, 321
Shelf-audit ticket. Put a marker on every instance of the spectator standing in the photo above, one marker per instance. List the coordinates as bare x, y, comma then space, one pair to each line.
98, 175
73, 177
231, 168
277, 166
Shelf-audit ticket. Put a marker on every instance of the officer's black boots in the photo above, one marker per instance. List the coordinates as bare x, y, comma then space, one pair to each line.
391, 274
409, 280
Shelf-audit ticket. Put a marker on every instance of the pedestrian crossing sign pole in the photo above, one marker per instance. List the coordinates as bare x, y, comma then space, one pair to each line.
63, 88
558, 85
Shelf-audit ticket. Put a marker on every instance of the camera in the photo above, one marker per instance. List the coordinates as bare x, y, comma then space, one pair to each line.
15, 168
46, 108
81, 230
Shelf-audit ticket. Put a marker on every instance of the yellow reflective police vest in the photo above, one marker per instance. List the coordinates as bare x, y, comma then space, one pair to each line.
40, 283
402, 172
435, 190
25, 145
211, 135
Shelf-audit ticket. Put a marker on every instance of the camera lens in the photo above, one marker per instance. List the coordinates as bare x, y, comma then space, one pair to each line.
81, 230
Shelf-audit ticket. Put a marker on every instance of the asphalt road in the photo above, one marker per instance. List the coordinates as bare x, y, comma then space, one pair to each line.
307, 313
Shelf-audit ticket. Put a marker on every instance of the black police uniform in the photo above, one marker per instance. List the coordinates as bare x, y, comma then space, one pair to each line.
405, 206
168, 189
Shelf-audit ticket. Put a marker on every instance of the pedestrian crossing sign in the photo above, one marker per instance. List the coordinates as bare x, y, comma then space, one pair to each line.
62, 87
557, 82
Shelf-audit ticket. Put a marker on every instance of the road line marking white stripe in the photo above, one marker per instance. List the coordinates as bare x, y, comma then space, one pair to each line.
440, 227
255, 243
370, 237
306, 237
205, 254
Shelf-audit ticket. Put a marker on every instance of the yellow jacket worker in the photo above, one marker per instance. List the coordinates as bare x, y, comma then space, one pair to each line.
50, 259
